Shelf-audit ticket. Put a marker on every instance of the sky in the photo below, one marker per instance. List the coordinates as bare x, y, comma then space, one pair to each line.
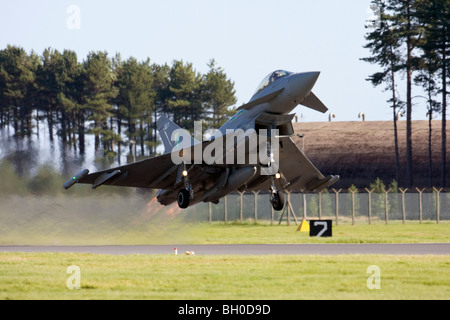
247, 38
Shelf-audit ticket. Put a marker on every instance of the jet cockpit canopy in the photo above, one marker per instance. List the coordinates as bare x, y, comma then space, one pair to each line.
270, 78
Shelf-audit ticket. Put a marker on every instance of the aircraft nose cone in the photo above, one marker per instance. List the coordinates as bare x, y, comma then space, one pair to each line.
301, 84
305, 80
311, 77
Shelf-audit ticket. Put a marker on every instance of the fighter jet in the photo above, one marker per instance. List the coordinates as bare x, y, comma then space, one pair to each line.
183, 174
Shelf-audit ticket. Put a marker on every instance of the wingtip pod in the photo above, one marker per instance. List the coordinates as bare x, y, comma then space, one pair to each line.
75, 178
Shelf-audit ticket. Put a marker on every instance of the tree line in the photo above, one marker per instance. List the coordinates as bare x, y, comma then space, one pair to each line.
116, 101
410, 41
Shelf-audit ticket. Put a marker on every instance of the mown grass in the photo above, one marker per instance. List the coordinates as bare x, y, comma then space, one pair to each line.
168, 277
395, 232
179, 232
43, 276
111, 220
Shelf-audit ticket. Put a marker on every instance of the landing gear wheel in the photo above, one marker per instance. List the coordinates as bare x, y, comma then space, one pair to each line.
183, 199
277, 201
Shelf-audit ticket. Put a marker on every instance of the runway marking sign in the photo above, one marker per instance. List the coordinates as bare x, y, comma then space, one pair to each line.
320, 228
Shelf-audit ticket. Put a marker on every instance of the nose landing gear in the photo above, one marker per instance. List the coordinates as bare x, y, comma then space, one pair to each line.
277, 197
277, 200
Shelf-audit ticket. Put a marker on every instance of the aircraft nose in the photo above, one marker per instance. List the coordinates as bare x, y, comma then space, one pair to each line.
301, 84
311, 77
305, 79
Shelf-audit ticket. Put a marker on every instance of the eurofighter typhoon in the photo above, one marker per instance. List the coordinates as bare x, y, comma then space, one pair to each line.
252, 151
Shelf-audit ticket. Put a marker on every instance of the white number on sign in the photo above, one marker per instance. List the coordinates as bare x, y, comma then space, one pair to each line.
323, 224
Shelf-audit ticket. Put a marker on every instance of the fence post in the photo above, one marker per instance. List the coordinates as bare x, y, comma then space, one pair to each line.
290, 208
209, 211
403, 203
353, 204
386, 209
420, 203
256, 205
271, 215
337, 203
304, 205
241, 195
437, 203
286, 206
369, 192
225, 208
320, 205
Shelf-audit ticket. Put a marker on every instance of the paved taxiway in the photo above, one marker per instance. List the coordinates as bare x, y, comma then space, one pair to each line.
250, 249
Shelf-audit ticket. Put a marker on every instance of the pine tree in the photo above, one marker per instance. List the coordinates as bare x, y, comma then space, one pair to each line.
405, 23
218, 95
378, 196
184, 95
384, 45
435, 16
16, 77
49, 85
99, 92
70, 101
161, 90
427, 78
135, 99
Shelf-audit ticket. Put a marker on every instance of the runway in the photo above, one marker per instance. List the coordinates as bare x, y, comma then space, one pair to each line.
249, 249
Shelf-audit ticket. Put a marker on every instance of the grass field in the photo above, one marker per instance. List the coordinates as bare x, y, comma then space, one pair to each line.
179, 232
43, 275
395, 232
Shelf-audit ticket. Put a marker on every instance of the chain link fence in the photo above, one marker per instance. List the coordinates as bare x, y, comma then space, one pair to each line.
342, 207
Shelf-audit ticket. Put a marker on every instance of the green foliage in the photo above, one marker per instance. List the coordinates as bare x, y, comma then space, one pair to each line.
413, 37
98, 94
42, 276
10, 182
135, 99
218, 95
46, 181
117, 101
184, 95
327, 207
393, 186
378, 186
378, 197
16, 81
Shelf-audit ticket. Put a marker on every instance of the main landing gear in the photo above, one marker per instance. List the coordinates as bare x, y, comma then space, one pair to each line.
185, 195
183, 198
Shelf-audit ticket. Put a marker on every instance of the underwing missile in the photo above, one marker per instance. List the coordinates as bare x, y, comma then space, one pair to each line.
75, 178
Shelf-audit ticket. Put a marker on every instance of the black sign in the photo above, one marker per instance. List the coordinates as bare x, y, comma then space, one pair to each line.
320, 228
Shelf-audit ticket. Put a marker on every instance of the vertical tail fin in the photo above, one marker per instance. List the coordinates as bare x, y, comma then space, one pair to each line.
168, 135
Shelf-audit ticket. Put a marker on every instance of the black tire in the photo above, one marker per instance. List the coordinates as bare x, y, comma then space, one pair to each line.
277, 201
183, 199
